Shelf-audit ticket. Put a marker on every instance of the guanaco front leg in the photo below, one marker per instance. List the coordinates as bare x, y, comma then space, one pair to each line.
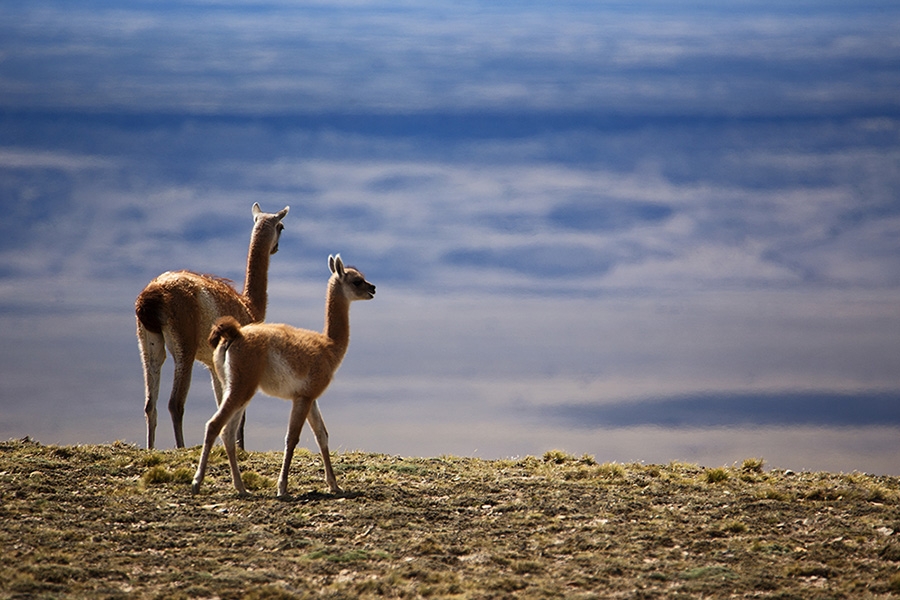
299, 411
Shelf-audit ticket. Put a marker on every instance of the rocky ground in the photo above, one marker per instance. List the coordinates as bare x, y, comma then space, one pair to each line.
118, 521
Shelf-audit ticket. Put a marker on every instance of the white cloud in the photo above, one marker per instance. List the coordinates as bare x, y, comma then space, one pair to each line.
24, 158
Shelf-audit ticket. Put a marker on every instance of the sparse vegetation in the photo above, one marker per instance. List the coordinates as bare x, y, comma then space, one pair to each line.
752, 465
717, 475
116, 521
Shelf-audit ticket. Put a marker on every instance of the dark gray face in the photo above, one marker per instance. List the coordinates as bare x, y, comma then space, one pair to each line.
362, 289
263, 220
278, 229
351, 279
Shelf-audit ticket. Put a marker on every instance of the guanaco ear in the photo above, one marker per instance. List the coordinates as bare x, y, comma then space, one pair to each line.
255, 210
283, 212
336, 265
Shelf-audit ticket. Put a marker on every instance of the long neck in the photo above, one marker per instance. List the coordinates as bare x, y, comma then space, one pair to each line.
256, 280
337, 317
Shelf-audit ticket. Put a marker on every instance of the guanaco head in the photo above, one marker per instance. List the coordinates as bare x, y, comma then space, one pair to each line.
271, 222
352, 282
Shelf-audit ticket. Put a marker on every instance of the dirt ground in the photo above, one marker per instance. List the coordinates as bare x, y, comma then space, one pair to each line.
118, 521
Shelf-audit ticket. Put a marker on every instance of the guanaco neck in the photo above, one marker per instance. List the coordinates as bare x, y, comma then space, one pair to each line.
337, 317
256, 280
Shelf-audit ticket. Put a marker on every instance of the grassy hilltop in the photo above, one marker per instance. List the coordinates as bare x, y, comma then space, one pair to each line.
117, 521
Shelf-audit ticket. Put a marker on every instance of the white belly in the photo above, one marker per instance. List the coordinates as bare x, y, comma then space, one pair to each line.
280, 380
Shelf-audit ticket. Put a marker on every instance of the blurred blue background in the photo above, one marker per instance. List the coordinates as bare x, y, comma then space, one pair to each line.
646, 231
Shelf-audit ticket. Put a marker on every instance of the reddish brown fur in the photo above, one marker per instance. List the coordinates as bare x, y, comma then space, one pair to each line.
177, 310
286, 362
148, 308
226, 328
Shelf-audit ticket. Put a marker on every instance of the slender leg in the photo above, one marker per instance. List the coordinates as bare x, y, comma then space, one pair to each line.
240, 431
184, 366
183, 348
318, 427
217, 390
213, 427
153, 355
299, 411
230, 408
228, 435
